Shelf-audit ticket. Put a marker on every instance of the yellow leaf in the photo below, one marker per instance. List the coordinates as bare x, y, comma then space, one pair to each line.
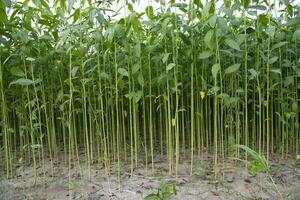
202, 94
298, 157
173, 122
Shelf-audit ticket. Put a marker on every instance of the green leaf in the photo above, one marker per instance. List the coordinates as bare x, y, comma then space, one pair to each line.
30, 59
259, 160
277, 71
258, 7
212, 21
215, 69
213, 90
3, 16
170, 66
246, 3
45, 4
273, 59
209, 39
271, 31
17, 72
36, 146
294, 106
253, 72
152, 196
205, 54
232, 68
141, 79
205, 11
288, 81
22, 82
165, 57
130, 7
135, 68
137, 96
198, 3
149, 12
296, 35
104, 75
233, 44
74, 71
180, 5
123, 72
184, 38
278, 45
76, 15
7, 3
174, 189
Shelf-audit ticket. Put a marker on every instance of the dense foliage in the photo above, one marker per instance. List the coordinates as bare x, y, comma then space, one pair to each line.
183, 81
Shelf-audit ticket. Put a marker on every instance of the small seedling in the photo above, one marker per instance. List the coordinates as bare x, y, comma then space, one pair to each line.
163, 192
259, 163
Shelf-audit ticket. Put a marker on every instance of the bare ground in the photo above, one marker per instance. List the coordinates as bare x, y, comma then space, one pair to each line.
56, 185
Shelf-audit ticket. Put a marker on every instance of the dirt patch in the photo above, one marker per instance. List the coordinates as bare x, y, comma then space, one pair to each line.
59, 184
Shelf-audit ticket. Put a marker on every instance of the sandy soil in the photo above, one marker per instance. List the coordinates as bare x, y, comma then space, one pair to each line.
55, 184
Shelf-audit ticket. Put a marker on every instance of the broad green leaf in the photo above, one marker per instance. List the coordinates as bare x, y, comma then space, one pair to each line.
30, 59
205, 54
233, 44
165, 57
135, 68
123, 72
277, 71
209, 39
278, 45
222, 23
198, 3
215, 69
263, 19
273, 59
290, 10
149, 12
76, 15
104, 75
213, 90
212, 21
17, 72
253, 72
288, 81
232, 68
130, 7
271, 31
22, 82
74, 71
137, 96
170, 66
37, 80
294, 106
296, 35
141, 79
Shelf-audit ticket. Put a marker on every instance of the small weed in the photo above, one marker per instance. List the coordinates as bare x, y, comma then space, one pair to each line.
163, 192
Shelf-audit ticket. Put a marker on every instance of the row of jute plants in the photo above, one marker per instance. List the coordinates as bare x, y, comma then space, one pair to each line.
177, 83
